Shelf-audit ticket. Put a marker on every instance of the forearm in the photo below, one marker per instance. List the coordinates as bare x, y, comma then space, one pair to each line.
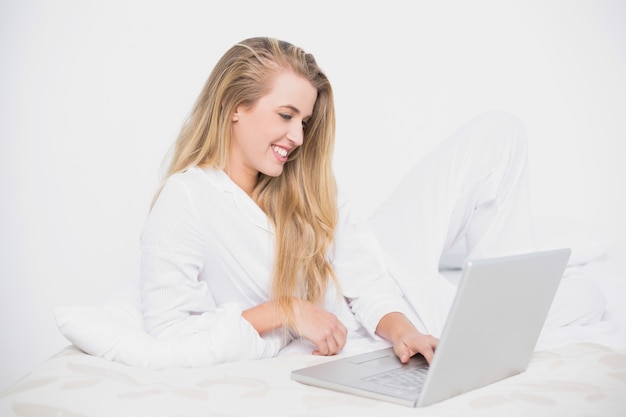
265, 317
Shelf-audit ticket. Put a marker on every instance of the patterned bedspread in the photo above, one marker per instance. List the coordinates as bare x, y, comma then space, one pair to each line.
581, 379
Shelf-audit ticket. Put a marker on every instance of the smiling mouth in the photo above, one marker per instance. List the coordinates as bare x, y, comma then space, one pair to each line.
280, 151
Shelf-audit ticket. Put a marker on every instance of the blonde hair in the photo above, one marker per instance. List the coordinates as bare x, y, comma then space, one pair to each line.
301, 202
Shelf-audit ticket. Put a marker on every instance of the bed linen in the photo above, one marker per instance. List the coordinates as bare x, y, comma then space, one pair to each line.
575, 371
583, 379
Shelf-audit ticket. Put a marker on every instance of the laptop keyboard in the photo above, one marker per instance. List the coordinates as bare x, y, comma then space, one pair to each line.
405, 378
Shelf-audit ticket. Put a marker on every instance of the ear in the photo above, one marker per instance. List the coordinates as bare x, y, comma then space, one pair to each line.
235, 116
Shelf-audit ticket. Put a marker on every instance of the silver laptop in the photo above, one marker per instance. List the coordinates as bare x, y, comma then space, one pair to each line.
490, 334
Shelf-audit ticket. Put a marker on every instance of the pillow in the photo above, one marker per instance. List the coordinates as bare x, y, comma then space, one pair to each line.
113, 330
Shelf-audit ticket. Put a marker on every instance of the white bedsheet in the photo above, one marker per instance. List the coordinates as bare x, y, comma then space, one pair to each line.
576, 380
610, 273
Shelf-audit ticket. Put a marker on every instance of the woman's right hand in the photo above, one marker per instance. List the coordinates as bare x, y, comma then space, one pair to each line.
320, 327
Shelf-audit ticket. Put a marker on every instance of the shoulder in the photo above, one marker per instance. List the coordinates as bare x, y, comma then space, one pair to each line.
178, 192
190, 178
180, 205
191, 184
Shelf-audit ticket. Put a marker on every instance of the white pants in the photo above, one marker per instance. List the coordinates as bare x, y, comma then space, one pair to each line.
472, 188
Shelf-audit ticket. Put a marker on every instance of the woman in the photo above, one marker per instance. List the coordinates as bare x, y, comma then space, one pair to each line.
246, 228
246, 248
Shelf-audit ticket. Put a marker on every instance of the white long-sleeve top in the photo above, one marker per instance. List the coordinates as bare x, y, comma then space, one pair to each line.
207, 254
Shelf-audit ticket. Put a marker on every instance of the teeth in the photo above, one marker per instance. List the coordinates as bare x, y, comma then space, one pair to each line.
282, 152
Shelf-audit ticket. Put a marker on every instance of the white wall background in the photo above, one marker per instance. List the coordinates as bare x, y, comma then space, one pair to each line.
93, 93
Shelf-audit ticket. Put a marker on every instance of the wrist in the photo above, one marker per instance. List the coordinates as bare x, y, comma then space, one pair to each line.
394, 326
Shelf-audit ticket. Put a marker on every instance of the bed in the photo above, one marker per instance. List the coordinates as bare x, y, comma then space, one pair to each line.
575, 371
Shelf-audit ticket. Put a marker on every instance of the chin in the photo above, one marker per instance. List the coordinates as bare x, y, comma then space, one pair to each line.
272, 173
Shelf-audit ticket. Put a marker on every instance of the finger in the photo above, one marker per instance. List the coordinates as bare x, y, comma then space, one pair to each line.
427, 351
332, 344
433, 341
322, 348
340, 343
402, 352
341, 338
337, 338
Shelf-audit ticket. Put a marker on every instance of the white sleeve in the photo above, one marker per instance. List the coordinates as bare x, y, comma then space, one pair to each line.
175, 303
362, 273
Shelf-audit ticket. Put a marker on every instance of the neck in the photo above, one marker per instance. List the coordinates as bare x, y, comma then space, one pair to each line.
245, 182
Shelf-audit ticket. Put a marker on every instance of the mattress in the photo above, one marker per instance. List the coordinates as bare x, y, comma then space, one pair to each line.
574, 371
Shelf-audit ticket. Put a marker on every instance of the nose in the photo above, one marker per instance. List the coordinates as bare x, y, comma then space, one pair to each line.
295, 134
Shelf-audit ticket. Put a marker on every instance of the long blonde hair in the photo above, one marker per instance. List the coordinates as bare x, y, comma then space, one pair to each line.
301, 202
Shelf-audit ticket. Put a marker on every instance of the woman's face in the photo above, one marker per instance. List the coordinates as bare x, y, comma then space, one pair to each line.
266, 133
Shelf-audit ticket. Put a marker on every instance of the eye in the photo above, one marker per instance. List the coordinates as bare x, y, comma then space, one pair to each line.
305, 124
285, 116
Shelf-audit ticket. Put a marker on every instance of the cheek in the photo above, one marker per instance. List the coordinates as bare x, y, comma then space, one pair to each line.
258, 130
242, 130
265, 132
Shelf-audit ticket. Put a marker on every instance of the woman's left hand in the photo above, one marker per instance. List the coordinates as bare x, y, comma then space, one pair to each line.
407, 340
